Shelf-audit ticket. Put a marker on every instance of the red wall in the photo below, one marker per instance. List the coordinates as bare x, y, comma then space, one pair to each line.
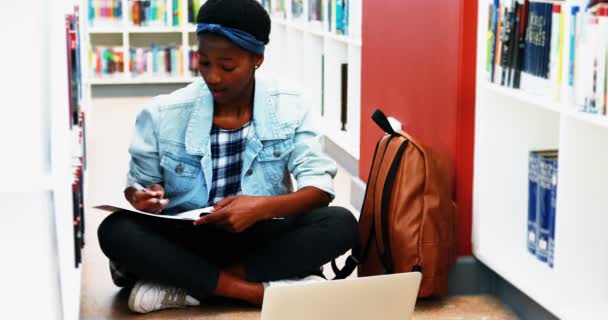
418, 65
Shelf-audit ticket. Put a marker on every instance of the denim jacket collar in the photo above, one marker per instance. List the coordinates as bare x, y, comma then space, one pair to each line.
265, 122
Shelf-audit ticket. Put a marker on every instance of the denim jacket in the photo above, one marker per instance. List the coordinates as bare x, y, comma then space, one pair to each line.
171, 146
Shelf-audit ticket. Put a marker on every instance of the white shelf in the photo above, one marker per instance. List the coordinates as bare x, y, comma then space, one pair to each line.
538, 101
343, 139
595, 119
103, 30
142, 80
304, 27
548, 104
154, 29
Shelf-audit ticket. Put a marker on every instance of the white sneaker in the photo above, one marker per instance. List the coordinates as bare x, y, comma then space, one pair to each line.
293, 281
147, 297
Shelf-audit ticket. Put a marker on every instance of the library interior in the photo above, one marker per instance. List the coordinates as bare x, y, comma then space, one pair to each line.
304, 159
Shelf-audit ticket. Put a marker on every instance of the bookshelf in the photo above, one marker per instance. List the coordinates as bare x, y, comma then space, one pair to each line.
120, 34
509, 124
36, 191
310, 54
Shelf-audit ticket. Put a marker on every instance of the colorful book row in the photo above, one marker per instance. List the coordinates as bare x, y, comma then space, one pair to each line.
154, 61
142, 12
336, 18
526, 45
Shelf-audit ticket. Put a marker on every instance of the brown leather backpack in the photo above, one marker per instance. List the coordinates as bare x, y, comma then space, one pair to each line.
408, 219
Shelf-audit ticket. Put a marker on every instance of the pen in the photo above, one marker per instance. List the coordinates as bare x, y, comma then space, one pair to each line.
139, 187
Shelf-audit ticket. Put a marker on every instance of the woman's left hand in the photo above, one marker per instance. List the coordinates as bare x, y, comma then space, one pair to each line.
237, 213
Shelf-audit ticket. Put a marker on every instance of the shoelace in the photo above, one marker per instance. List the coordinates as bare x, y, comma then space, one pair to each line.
174, 297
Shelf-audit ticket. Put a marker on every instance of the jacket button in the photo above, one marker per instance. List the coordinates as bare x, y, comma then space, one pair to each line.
249, 172
277, 153
179, 169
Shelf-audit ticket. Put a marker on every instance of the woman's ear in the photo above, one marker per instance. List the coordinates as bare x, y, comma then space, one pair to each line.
258, 59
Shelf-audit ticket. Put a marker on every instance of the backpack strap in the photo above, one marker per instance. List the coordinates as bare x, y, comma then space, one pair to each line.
353, 260
358, 253
382, 121
387, 256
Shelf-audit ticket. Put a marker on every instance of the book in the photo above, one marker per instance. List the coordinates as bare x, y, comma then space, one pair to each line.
521, 43
496, 71
490, 41
297, 9
542, 203
340, 18
344, 95
315, 10
552, 213
533, 172
574, 12
190, 215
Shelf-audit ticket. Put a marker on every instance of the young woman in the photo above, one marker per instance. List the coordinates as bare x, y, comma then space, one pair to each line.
232, 141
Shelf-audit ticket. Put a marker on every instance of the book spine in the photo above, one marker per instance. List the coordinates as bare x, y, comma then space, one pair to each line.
498, 45
533, 172
601, 60
340, 17
490, 42
162, 65
552, 213
554, 44
573, 44
521, 43
560, 58
177, 12
71, 106
546, 49
155, 59
149, 62
506, 44
544, 208
513, 38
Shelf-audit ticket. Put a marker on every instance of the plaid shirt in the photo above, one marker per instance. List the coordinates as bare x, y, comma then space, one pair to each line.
226, 149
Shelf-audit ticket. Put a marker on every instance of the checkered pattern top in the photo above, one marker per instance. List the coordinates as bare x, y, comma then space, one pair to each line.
226, 149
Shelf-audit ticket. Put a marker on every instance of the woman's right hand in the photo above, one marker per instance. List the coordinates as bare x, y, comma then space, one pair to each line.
150, 200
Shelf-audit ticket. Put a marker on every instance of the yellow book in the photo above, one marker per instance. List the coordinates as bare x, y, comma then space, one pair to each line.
180, 61
560, 64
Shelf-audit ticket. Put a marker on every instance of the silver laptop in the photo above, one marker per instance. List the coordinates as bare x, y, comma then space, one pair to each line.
384, 297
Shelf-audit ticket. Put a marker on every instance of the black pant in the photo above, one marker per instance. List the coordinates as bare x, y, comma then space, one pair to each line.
179, 254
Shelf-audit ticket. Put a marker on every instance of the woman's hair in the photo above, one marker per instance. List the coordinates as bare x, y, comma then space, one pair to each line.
244, 15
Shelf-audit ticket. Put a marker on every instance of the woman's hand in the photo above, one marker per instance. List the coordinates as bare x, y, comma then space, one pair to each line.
237, 213
148, 200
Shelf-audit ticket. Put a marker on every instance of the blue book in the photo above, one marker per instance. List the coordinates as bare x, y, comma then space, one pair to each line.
91, 13
574, 13
173, 60
533, 173
546, 51
530, 33
155, 58
118, 9
552, 211
340, 17
544, 195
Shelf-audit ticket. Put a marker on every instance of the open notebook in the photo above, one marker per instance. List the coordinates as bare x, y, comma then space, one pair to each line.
186, 215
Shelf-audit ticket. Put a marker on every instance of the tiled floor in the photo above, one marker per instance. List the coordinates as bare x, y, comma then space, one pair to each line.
109, 134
